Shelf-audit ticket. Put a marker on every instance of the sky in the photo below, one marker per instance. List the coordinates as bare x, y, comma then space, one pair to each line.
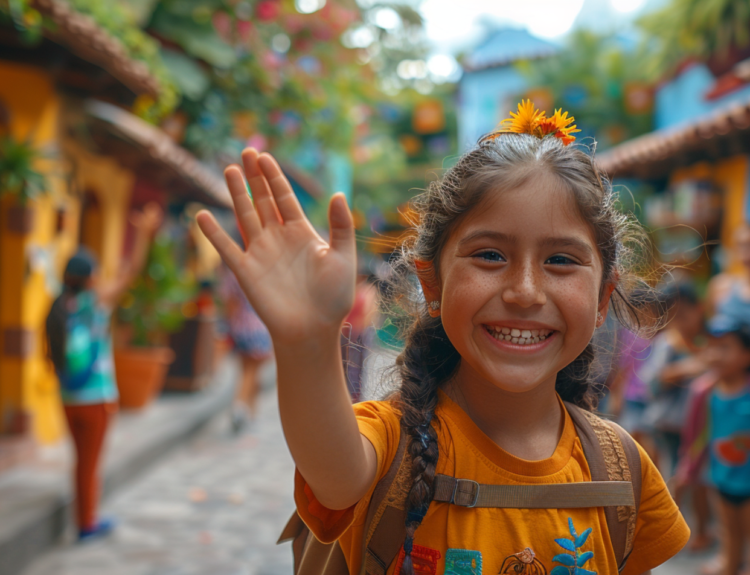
450, 29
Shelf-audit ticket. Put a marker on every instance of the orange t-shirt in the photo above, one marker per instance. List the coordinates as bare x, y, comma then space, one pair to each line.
457, 540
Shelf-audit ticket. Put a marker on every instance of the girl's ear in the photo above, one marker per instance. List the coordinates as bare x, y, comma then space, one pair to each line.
430, 286
609, 288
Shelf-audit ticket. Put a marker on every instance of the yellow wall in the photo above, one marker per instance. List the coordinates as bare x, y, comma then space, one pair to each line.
28, 263
31, 265
731, 176
112, 185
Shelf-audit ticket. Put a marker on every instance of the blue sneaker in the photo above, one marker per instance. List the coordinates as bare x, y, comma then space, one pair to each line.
101, 529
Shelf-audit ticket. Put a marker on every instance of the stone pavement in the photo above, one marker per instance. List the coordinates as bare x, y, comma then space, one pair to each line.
35, 498
214, 507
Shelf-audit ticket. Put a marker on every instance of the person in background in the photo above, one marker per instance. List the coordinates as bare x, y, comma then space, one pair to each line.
729, 294
356, 334
717, 437
79, 344
673, 363
628, 396
252, 342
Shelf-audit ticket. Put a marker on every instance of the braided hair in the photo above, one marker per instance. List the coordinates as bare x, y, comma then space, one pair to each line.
428, 359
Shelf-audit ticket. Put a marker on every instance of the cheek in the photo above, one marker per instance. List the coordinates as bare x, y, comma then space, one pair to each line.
578, 301
464, 292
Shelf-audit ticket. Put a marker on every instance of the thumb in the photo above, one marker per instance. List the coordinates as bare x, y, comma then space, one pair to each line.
341, 223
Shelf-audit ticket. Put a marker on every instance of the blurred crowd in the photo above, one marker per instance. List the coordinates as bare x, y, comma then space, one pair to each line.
684, 394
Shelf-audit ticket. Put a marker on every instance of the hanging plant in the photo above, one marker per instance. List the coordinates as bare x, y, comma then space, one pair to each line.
18, 174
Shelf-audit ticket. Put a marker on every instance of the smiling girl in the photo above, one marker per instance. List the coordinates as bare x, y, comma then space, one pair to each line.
520, 254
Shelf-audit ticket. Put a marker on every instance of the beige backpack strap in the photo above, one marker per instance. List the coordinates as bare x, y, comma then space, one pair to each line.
469, 493
385, 527
612, 456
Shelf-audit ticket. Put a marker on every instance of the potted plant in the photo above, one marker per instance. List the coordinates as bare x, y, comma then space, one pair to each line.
152, 310
20, 179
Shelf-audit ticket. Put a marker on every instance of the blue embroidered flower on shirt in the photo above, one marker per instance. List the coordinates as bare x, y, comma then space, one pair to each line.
573, 561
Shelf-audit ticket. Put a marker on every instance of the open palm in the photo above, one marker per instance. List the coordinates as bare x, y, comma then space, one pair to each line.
298, 284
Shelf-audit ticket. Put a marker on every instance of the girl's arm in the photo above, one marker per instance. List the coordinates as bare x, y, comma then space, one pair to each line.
146, 223
302, 288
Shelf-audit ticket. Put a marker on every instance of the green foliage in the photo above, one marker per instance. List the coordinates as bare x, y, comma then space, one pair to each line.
18, 173
589, 78
154, 305
118, 22
189, 24
693, 29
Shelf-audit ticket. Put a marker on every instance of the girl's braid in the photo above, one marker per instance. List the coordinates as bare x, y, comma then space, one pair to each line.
428, 358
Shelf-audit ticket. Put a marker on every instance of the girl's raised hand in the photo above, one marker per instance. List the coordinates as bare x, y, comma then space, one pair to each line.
299, 285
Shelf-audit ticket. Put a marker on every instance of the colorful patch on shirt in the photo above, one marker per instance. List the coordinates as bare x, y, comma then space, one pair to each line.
424, 560
463, 562
572, 560
523, 563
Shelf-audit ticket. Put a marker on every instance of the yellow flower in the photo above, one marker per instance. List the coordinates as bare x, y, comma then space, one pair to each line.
524, 122
529, 120
559, 126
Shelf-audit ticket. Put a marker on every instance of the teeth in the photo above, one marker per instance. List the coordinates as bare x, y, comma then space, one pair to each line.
518, 336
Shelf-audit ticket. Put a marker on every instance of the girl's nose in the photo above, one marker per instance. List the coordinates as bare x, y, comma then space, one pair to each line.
524, 288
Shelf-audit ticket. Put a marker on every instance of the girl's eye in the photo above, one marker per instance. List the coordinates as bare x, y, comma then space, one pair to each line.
560, 261
490, 256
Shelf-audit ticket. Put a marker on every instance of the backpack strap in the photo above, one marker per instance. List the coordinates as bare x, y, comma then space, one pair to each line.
612, 455
384, 532
385, 526
469, 493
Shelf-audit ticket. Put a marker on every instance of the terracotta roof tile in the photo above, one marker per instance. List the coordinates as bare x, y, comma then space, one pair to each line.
84, 37
159, 146
642, 154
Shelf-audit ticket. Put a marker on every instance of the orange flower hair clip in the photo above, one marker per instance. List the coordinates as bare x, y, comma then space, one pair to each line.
529, 120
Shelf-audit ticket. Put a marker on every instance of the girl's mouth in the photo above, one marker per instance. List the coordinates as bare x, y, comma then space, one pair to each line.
519, 337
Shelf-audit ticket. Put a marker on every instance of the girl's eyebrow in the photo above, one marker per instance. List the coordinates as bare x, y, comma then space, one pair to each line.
549, 241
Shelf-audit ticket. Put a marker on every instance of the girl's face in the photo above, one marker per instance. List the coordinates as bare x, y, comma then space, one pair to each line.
520, 280
726, 355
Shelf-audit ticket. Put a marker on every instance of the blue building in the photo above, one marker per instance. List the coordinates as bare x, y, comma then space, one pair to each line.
697, 161
491, 83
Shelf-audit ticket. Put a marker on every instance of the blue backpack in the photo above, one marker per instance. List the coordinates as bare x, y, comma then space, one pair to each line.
81, 346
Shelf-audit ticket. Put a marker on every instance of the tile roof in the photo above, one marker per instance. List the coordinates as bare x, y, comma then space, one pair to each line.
156, 146
505, 46
85, 38
719, 134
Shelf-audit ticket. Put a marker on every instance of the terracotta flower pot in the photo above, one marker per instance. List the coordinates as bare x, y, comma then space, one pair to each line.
140, 373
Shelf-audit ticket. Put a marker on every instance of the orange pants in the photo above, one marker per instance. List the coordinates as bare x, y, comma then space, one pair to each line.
88, 426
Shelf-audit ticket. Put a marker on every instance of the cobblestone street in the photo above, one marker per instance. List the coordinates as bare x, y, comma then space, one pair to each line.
213, 507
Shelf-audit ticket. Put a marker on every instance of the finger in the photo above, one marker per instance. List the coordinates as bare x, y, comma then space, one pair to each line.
286, 201
229, 251
247, 217
261, 191
342, 225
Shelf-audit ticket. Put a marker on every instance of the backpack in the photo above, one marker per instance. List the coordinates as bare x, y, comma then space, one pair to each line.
613, 459
81, 346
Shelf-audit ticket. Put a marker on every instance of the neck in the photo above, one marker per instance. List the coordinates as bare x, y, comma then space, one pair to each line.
526, 424
733, 383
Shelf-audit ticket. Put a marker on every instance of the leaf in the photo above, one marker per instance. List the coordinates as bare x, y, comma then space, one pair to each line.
580, 571
560, 570
565, 559
571, 527
566, 544
585, 557
581, 539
